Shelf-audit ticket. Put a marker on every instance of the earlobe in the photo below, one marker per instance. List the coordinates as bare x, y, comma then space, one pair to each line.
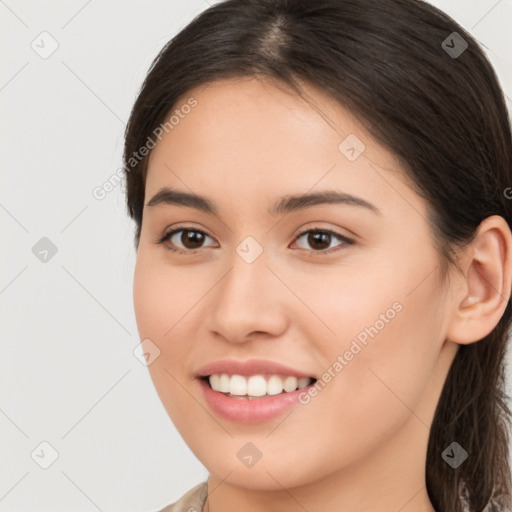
487, 283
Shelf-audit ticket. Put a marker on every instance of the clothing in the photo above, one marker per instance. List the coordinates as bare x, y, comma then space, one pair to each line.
192, 501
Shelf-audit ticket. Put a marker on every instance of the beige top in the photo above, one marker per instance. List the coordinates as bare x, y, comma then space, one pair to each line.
192, 501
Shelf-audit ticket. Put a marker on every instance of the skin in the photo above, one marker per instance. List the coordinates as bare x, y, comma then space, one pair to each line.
360, 444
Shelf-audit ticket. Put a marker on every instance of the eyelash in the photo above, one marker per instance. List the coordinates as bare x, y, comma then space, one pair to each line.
167, 236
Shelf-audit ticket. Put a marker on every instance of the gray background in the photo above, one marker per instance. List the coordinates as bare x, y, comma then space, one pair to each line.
69, 375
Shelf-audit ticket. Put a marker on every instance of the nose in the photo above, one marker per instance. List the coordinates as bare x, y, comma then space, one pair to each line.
248, 302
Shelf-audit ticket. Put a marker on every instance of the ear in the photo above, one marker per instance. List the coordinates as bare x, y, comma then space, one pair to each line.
486, 284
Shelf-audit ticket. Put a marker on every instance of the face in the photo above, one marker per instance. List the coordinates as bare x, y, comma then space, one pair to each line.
345, 292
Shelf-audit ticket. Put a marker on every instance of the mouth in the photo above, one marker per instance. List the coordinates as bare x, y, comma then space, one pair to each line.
255, 387
253, 398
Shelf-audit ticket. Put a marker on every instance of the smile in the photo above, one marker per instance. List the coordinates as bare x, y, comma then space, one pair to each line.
256, 386
245, 408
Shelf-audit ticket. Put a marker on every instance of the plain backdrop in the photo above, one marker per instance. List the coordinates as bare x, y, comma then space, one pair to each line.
69, 378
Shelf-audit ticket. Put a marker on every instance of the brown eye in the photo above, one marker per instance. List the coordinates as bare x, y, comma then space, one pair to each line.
184, 239
191, 239
320, 239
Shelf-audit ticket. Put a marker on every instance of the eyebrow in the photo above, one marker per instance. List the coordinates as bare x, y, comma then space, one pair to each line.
286, 204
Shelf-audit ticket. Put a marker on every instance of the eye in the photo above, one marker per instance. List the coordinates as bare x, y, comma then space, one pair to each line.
320, 239
191, 238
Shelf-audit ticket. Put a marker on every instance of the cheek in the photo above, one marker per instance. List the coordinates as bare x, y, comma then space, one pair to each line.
162, 298
378, 364
159, 296
145, 295
388, 317
385, 381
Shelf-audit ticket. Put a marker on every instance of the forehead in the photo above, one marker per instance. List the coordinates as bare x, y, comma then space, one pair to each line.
256, 111
250, 138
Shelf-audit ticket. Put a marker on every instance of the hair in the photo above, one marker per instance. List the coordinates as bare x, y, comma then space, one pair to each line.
443, 116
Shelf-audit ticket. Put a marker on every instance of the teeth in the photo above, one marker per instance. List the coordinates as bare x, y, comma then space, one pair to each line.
256, 385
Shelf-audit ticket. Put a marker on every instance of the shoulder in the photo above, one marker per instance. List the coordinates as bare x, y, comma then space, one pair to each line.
192, 501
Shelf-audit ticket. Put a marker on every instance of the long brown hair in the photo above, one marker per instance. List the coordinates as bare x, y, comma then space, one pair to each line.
430, 97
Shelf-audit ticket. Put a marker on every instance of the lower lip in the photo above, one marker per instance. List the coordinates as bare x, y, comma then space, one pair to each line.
243, 410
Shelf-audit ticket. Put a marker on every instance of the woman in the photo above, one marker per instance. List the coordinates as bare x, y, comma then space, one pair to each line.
324, 256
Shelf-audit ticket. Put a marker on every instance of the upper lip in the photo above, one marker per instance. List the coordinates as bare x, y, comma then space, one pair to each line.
249, 367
